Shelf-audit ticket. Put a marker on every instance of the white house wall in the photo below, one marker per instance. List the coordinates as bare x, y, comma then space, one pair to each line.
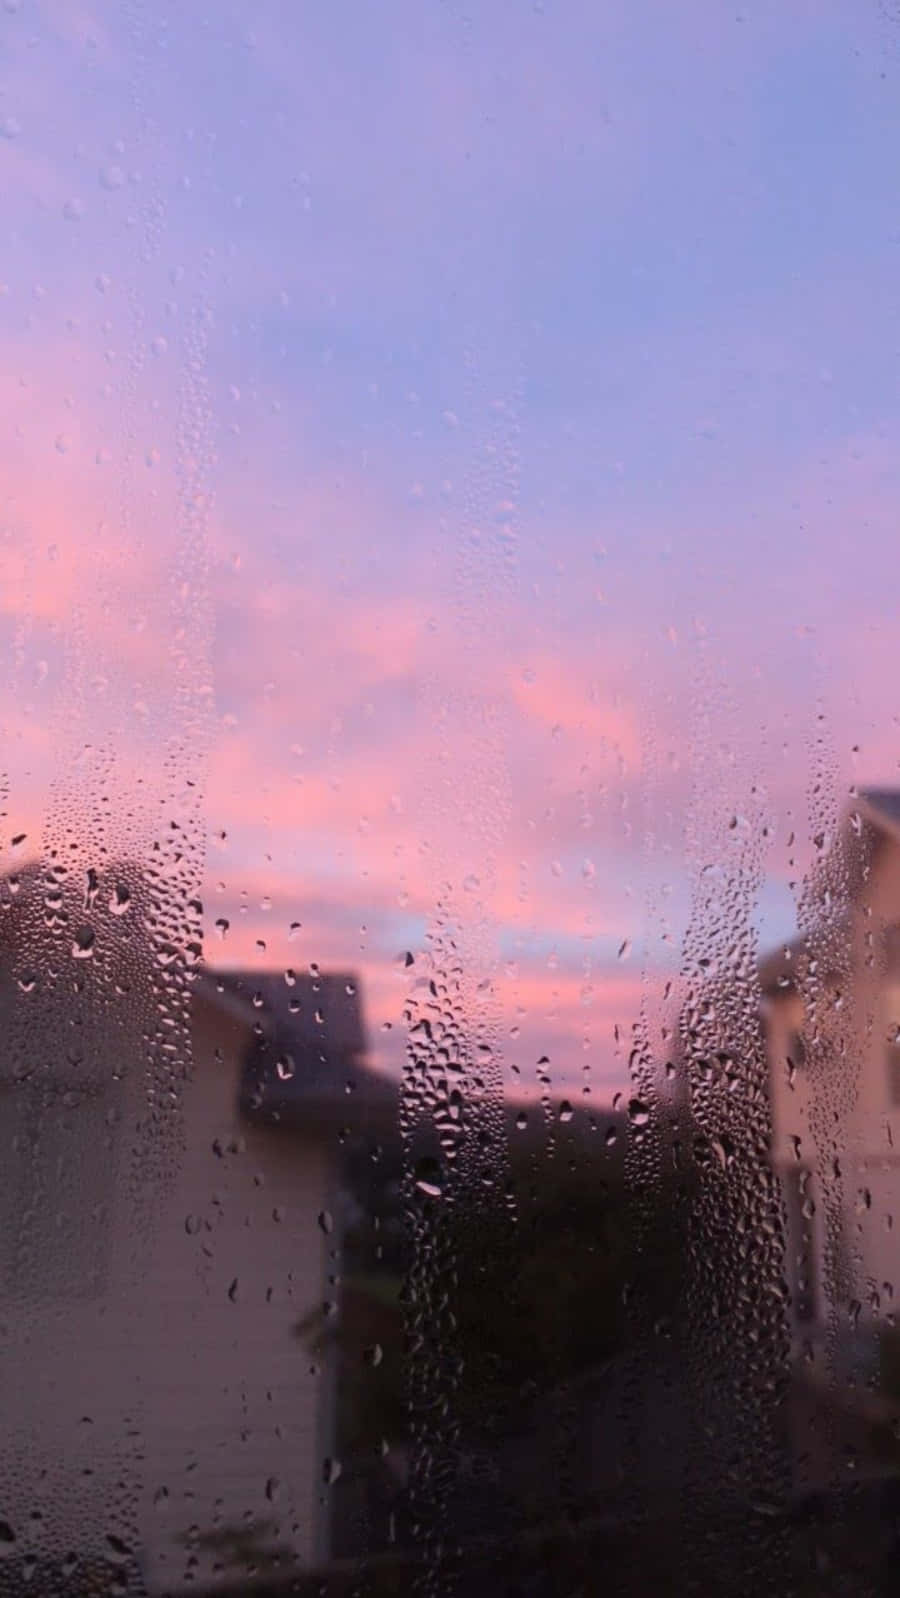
171, 1402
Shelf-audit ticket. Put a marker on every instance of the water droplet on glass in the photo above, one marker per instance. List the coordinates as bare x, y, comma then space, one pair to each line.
428, 1178
374, 1355
326, 1222
112, 176
120, 899
638, 1113
83, 945
284, 1065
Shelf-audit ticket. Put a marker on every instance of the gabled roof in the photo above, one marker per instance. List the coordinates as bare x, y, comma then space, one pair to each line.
306, 1059
878, 808
780, 968
882, 806
321, 1010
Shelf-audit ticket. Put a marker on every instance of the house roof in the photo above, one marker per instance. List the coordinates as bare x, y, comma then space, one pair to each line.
50, 913
883, 807
306, 1058
780, 967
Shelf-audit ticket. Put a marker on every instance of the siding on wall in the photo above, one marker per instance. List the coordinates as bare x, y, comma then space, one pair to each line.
233, 1423
170, 1400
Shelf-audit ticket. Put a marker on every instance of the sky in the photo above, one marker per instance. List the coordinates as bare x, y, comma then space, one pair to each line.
450, 469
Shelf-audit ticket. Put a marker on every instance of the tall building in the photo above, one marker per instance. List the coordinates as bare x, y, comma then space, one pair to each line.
831, 1013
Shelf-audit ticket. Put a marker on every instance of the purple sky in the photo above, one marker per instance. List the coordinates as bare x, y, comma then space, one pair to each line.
466, 446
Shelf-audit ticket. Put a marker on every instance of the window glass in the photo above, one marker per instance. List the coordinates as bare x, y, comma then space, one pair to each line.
449, 800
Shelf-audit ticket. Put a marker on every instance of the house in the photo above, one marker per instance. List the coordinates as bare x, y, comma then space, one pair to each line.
831, 1017
182, 1150
171, 1213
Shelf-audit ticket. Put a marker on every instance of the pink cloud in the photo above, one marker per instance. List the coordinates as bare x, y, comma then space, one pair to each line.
553, 690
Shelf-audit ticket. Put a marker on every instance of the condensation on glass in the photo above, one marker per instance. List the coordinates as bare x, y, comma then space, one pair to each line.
450, 812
